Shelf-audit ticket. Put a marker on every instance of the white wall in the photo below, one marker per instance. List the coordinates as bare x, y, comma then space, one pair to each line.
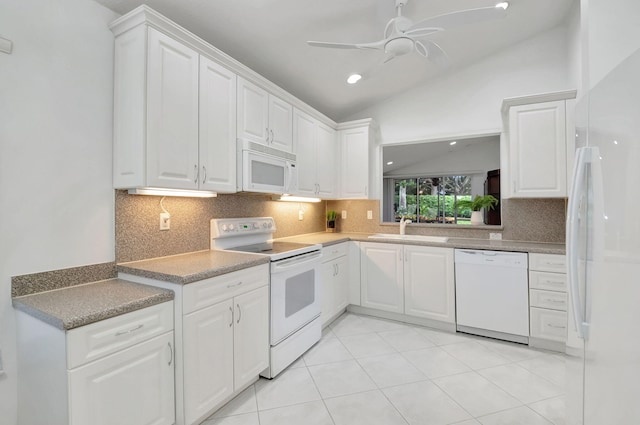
468, 101
56, 195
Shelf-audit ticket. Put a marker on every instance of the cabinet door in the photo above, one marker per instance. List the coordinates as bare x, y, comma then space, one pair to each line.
381, 276
537, 144
429, 286
253, 112
172, 113
328, 273
217, 127
251, 335
304, 128
326, 162
341, 285
208, 359
134, 386
281, 124
354, 176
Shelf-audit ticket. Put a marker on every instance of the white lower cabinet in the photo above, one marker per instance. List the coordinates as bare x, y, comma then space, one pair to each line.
548, 300
429, 286
381, 276
412, 280
335, 281
222, 338
135, 386
115, 371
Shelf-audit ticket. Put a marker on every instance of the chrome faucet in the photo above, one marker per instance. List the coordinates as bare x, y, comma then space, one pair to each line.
403, 225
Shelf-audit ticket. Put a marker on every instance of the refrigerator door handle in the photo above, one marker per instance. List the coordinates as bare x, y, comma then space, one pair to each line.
578, 188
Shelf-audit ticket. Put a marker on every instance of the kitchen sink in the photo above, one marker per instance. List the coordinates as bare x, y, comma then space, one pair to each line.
420, 238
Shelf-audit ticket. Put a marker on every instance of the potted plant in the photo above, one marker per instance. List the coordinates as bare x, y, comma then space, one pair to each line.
331, 220
476, 205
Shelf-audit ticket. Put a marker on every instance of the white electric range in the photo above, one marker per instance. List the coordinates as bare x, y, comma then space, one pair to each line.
294, 285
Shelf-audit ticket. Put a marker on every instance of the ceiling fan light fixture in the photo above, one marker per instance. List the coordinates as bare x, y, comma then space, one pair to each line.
354, 78
503, 5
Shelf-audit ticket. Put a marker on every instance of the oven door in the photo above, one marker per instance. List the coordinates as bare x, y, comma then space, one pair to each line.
295, 294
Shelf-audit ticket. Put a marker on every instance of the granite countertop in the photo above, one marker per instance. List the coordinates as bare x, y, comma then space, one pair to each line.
80, 305
327, 239
191, 267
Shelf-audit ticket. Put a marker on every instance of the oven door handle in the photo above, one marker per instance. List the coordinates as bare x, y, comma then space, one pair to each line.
296, 261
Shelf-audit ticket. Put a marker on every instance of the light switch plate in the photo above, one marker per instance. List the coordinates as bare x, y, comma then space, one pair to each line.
369, 215
6, 46
344, 214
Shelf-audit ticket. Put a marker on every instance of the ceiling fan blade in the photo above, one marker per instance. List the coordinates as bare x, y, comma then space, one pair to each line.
421, 32
375, 45
456, 19
433, 52
389, 57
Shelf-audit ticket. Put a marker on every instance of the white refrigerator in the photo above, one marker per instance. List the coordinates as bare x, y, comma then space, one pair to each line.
603, 236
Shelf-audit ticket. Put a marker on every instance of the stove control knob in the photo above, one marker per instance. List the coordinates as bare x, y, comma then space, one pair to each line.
270, 225
264, 224
224, 227
232, 227
255, 226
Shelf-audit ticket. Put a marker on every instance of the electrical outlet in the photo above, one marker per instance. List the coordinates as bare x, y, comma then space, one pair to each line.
165, 221
300, 215
344, 214
495, 236
369, 215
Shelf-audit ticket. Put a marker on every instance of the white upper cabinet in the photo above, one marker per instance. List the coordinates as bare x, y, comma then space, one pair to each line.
358, 160
315, 148
174, 118
539, 141
263, 117
217, 127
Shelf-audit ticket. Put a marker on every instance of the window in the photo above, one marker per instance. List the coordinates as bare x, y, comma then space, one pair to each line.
432, 199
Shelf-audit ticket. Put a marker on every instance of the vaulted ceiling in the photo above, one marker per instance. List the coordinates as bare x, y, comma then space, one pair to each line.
269, 36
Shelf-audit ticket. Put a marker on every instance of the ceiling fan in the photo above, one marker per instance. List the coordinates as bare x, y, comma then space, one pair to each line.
402, 36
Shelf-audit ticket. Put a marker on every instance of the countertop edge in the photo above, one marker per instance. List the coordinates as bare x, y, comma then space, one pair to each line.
66, 324
183, 280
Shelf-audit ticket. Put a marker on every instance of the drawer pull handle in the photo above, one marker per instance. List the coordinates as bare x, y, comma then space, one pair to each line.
130, 330
555, 301
556, 326
231, 285
554, 282
553, 263
170, 352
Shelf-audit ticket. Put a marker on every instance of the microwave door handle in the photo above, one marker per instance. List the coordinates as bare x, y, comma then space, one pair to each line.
296, 261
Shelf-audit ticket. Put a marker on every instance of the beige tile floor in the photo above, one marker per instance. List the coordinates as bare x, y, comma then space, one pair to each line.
368, 371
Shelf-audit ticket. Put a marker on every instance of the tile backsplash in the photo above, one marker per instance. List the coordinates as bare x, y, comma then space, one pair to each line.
138, 234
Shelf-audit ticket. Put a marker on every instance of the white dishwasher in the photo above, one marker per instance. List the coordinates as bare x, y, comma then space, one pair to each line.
492, 294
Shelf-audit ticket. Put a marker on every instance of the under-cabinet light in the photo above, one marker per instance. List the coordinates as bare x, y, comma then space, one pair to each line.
173, 192
290, 198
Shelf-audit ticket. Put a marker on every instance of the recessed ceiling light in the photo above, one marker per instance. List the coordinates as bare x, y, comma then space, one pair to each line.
503, 5
453, 143
390, 162
354, 78
615, 142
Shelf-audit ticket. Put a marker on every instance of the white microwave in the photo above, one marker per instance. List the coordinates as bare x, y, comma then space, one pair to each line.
264, 169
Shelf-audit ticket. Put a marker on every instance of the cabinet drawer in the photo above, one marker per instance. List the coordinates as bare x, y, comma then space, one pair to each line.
548, 299
334, 251
91, 342
207, 292
548, 324
548, 263
548, 281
